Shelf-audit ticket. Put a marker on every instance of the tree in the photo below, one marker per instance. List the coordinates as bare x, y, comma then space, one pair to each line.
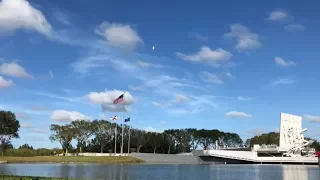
83, 130
155, 140
104, 132
25, 146
5, 144
138, 138
194, 138
170, 138
9, 126
63, 134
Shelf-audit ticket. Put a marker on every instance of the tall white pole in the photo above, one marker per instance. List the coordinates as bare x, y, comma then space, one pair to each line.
115, 139
129, 141
122, 139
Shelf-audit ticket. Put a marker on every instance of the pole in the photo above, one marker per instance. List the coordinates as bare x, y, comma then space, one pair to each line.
115, 140
129, 141
122, 139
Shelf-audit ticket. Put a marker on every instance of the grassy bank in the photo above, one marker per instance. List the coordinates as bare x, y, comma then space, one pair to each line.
72, 159
31, 178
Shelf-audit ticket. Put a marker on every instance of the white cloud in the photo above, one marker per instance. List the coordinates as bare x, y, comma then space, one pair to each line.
246, 40
114, 108
108, 97
240, 98
135, 88
147, 65
294, 27
278, 15
51, 74
236, 114
15, 70
119, 35
282, 81
151, 129
22, 116
5, 83
282, 62
180, 98
207, 55
40, 131
210, 78
25, 125
67, 116
19, 14
198, 36
312, 118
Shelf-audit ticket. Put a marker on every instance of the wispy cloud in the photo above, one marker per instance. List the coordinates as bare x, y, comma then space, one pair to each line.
210, 78
237, 114
119, 35
15, 70
5, 83
280, 61
283, 81
246, 40
135, 88
312, 118
294, 27
205, 54
278, 15
20, 14
148, 65
67, 116
240, 98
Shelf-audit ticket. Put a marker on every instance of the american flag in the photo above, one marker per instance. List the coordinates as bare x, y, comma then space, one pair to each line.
114, 118
119, 99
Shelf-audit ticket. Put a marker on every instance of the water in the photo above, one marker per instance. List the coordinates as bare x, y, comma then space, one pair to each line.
166, 172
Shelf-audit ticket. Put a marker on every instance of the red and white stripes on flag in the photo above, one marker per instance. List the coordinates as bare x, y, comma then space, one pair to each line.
119, 99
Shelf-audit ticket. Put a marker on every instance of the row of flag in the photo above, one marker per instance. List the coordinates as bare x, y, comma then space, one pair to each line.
116, 118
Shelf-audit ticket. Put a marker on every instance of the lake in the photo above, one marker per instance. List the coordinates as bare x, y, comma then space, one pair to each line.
165, 172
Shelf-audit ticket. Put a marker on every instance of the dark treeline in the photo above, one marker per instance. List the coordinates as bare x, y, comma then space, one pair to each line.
99, 136
274, 138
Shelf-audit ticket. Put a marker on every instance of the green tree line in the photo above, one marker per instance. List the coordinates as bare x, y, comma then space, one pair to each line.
99, 136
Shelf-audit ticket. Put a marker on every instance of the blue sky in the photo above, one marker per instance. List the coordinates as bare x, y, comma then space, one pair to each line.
232, 66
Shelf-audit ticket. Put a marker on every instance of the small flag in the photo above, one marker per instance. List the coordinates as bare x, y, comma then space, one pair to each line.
119, 99
114, 118
127, 120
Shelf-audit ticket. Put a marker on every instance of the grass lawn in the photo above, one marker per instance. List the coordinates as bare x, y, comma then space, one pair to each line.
71, 159
30, 178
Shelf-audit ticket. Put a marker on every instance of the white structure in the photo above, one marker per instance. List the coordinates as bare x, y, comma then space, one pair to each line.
292, 140
293, 148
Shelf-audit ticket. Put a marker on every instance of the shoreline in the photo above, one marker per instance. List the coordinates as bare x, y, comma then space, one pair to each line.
71, 160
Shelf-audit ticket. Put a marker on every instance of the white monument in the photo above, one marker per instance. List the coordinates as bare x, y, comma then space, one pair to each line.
291, 135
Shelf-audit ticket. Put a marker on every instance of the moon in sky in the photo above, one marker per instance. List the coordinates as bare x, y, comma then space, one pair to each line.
153, 48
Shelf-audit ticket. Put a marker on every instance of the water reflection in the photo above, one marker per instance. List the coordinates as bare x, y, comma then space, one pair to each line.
166, 172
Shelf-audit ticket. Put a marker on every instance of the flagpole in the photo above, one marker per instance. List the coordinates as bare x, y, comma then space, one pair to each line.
115, 140
129, 141
122, 140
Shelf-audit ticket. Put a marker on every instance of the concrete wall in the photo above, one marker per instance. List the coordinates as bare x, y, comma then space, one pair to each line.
166, 158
